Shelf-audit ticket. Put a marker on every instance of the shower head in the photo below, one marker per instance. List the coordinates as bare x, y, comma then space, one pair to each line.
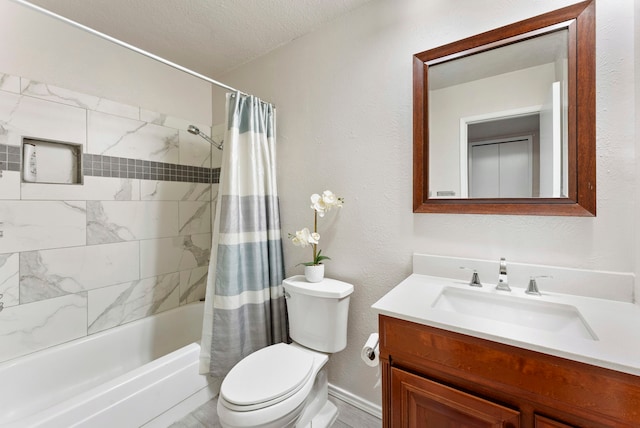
195, 131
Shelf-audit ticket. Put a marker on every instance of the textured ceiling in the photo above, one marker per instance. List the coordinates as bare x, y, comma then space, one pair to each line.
211, 37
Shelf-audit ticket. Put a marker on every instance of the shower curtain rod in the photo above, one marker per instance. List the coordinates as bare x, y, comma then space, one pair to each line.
127, 45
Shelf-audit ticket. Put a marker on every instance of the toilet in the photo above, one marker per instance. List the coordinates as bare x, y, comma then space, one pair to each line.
286, 385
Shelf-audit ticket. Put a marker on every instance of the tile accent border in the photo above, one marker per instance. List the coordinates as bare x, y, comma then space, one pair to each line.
110, 166
9, 158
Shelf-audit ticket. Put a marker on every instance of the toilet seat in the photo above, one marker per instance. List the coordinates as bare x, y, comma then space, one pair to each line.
283, 370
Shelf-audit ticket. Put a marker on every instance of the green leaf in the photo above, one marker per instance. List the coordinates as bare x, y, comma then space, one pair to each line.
320, 257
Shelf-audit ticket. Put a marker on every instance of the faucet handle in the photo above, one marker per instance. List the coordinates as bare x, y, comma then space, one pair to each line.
532, 288
475, 278
503, 266
503, 283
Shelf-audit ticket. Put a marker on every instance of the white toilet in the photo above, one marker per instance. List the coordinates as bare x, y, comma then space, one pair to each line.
286, 385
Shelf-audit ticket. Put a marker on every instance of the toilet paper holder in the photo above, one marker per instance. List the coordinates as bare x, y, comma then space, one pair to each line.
371, 354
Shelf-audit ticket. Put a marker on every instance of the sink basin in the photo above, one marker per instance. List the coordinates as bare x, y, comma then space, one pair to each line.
523, 311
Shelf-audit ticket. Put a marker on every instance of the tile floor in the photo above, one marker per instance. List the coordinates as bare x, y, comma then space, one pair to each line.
348, 417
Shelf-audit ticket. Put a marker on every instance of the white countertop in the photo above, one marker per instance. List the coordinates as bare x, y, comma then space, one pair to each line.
616, 324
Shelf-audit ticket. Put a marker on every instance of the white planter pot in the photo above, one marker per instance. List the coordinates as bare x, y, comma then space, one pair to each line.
314, 273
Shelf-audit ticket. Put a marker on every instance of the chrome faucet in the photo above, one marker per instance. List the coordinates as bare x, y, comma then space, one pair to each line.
503, 283
532, 288
475, 279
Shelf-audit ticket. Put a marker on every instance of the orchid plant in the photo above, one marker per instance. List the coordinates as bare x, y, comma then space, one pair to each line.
320, 204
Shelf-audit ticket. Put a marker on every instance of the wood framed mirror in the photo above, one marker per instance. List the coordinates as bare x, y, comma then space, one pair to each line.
504, 121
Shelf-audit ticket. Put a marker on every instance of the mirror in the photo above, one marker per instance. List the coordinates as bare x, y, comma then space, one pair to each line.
504, 122
497, 131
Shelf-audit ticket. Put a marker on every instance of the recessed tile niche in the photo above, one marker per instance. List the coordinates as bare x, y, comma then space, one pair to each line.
47, 161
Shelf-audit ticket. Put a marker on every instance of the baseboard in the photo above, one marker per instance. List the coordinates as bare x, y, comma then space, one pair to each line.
355, 401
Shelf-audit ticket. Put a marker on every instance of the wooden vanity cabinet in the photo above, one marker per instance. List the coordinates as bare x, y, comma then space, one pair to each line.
542, 422
435, 378
418, 399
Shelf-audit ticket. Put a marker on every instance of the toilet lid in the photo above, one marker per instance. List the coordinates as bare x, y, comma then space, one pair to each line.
267, 376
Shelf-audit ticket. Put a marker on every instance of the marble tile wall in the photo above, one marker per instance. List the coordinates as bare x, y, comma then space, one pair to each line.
133, 240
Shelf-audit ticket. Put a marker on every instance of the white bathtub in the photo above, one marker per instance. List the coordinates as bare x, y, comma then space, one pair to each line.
144, 373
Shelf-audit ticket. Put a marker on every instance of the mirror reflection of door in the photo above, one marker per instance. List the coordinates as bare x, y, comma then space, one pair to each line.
552, 177
501, 168
516, 171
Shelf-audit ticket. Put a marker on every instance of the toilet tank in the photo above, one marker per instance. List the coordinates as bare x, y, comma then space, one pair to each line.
318, 312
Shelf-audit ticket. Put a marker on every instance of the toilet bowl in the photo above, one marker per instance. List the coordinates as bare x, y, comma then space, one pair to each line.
271, 387
286, 385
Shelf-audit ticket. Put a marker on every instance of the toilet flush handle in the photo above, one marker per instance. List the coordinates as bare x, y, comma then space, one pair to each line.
287, 295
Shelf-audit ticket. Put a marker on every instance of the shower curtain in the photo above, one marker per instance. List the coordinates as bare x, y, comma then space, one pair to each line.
244, 307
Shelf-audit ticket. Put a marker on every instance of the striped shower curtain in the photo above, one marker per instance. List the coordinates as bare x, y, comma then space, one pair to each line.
244, 307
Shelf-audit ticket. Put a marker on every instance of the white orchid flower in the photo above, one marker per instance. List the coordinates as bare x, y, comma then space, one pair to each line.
318, 204
330, 200
304, 238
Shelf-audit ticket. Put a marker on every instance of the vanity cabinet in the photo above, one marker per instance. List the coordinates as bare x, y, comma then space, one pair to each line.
542, 422
418, 399
437, 378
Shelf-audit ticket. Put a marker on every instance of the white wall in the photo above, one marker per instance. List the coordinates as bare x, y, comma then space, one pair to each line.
636, 50
42, 48
344, 98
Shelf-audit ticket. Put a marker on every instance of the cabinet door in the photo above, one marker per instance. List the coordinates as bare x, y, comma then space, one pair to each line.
542, 422
420, 402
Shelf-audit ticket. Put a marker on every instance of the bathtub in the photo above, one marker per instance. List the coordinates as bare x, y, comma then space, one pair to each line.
143, 373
